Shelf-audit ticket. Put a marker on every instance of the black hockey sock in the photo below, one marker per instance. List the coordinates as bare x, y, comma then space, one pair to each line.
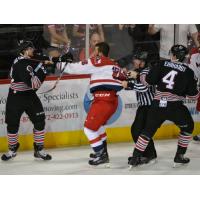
105, 145
98, 148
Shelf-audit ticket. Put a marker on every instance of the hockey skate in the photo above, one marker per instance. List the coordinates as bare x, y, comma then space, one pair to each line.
180, 160
134, 161
93, 155
100, 158
11, 153
40, 153
145, 160
151, 159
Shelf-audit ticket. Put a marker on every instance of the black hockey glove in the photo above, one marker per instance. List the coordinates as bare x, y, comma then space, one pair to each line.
130, 85
119, 74
68, 58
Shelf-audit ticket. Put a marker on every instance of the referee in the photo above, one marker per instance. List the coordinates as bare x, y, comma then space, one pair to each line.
145, 95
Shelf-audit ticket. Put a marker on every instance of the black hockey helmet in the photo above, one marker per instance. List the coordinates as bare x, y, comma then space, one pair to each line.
180, 51
140, 55
25, 44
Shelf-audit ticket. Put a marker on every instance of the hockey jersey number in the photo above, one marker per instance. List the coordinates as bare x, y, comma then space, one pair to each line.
169, 79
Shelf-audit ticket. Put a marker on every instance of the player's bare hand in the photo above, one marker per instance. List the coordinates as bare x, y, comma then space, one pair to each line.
124, 70
124, 84
48, 62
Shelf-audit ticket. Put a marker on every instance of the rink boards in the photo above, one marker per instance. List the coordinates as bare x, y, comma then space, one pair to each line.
66, 108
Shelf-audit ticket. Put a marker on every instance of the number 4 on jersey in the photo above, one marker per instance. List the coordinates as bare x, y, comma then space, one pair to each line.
169, 79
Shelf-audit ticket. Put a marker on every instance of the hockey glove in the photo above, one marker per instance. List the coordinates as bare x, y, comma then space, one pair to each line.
119, 74
68, 58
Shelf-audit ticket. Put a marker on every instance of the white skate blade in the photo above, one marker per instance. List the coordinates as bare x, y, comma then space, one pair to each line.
101, 166
38, 159
177, 165
107, 165
131, 167
153, 161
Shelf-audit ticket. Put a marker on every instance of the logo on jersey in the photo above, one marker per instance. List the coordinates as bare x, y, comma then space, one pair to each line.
30, 69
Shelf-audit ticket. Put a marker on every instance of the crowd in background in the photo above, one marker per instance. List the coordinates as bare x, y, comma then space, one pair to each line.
124, 39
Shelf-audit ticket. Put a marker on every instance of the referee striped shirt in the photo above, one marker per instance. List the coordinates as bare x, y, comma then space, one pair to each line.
144, 93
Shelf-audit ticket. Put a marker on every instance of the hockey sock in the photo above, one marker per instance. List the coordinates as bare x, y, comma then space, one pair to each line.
94, 139
103, 139
183, 141
12, 139
39, 137
103, 136
105, 145
142, 143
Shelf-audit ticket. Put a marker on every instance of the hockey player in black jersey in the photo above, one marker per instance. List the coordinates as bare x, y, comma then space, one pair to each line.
175, 81
144, 95
27, 75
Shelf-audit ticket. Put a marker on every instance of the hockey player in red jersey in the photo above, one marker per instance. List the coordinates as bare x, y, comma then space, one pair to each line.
105, 82
175, 81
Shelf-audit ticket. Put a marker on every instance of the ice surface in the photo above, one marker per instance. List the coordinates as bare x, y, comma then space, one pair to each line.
75, 161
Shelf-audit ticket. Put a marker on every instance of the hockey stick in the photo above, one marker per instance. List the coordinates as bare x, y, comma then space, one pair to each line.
65, 50
58, 78
41, 61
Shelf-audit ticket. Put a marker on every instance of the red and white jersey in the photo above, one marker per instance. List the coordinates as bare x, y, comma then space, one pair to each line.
105, 74
195, 64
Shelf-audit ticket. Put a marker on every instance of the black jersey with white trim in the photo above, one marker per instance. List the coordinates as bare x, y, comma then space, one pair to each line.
174, 80
27, 74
